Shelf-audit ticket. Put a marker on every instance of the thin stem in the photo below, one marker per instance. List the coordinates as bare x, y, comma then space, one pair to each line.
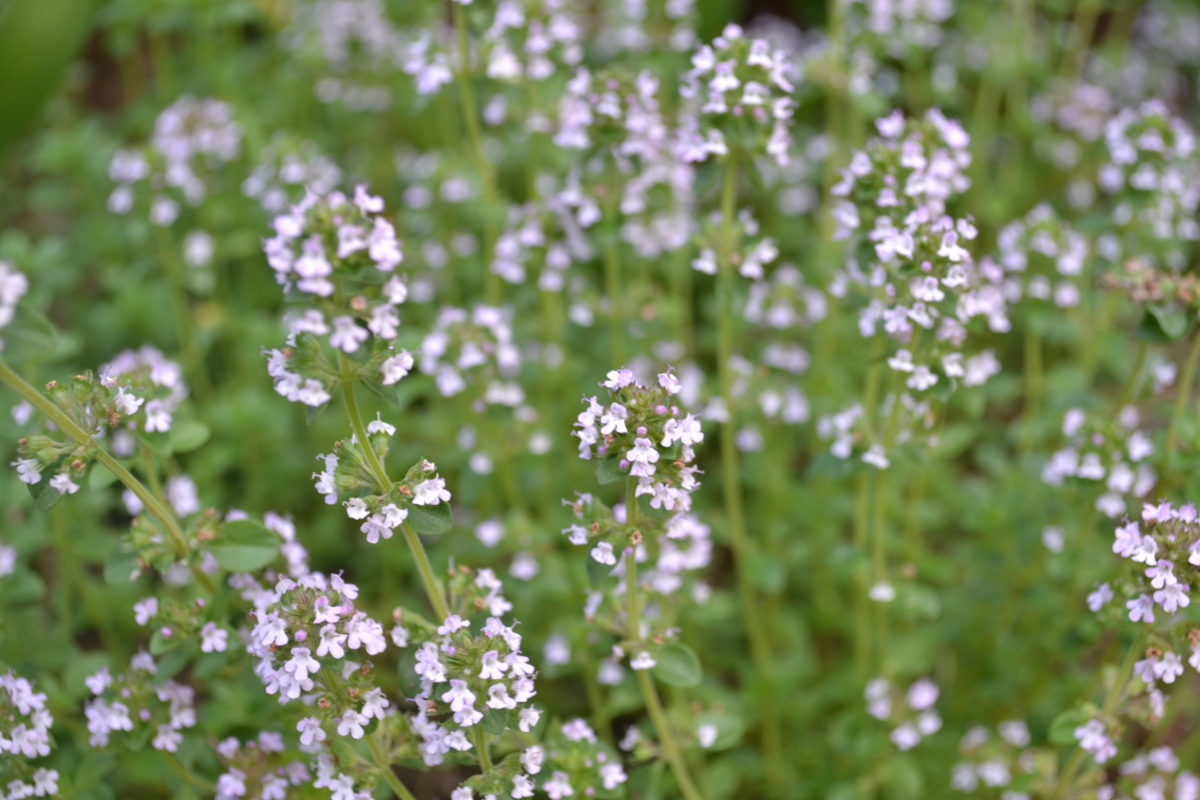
155, 507
1184, 394
760, 649
658, 717
433, 590
595, 695
616, 303
1110, 703
467, 99
1033, 384
479, 738
1129, 388
385, 769
182, 771
1083, 30
360, 431
862, 633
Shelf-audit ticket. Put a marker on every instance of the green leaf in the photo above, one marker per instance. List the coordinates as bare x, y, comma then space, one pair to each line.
100, 478
171, 664
121, 566
1163, 322
497, 722
431, 520
160, 644
245, 546
187, 435
1062, 729
23, 586
311, 412
903, 777
677, 665
45, 496
608, 470
597, 573
730, 728
157, 443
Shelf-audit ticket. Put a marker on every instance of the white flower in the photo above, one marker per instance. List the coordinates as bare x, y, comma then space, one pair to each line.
213, 638
396, 367
431, 492
603, 554
643, 660
311, 731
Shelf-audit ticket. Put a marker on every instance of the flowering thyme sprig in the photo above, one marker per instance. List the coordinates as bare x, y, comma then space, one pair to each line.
25, 723
136, 703
744, 100
338, 256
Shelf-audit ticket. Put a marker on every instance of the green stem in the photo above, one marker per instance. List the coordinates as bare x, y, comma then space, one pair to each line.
467, 99
616, 303
1129, 388
1114, 695
433, 590
181, 310
479, 738
760, 648
182, 771
150, 502
385, 769
595, 695
658, 717
862, 633
1183, 395
1083, 30
1033, 385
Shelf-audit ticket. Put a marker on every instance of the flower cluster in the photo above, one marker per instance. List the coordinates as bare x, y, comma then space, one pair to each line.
908, 419
1111, 454
529, 244
24, 735
893, 28
356, 46
923, 287
645, 435
1000, 766
1166, 546
304, 633
744, 100
1150, 775
1154, 170
135, 394
13, 285
646, 26
338, 257
175, 622
258, 768
1044, 258
751, 254
288, 169
474, 349
347, 472
135, 702
1094, 737
572, 761
192, 139
529, 41
913, 165
910, 713
785, 301
467, 677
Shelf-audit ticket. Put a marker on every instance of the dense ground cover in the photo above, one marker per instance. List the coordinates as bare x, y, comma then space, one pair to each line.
550, 398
